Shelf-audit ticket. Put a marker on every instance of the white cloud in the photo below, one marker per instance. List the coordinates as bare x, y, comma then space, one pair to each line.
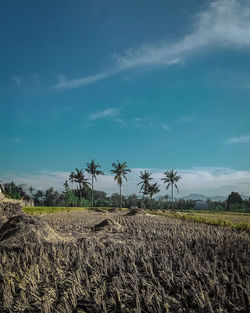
145, 122
64, 83
225, 23
103, 114
208, 181
237, 140
39, 180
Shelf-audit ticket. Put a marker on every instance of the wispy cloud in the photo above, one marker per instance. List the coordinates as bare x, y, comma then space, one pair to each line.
237, 140
208, 180
39, 180
144, 122
225, 23
104, 114
114, 115
64, 83
121, 122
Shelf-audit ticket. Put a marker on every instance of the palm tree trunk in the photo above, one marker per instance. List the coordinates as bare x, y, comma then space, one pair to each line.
92, 196
120, 195
143, 200
151, 203
80, 193
172, 193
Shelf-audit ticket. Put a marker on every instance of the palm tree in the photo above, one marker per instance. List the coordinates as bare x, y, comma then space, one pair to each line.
120, 171
66, 185
31, 189
171, 178
145, 178
152, 190
81, 181
93, 171
72, 178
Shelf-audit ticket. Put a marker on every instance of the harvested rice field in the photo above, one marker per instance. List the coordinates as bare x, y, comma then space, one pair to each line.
112, 261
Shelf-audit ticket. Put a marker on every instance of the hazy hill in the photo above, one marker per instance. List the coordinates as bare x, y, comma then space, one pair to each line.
196, 196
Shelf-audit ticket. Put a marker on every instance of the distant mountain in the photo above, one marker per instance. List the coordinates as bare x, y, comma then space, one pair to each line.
218, 198
195, 196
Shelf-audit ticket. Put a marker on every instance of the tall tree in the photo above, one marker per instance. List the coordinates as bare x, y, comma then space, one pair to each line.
120, 171
81, 181
171, 178
31, 189
66, 185
233, 198
92, 169
72, 178
152, 190
39, 197
145, 178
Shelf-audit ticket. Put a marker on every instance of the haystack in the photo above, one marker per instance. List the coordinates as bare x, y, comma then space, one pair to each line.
134, 212
9, 209
100, 211
109, 225
22, 229
114, 210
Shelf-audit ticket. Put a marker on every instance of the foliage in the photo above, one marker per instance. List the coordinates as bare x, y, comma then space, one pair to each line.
233, 198
51, 197
92, 169
132, 201
70, 198
15, 191
100, 198
120, 170
179, 205
115, 200
152, 190
145, 177
171, 178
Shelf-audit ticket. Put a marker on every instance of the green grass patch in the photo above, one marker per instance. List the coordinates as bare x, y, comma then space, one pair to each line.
39, 210
221, 219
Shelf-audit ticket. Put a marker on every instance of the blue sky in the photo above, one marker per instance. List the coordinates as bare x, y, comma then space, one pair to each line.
159, 84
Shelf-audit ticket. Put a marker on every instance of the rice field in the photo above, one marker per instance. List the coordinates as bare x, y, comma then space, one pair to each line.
233, 217
239, 221
109, 261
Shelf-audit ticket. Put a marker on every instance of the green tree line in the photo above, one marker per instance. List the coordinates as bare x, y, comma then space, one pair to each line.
79, 191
